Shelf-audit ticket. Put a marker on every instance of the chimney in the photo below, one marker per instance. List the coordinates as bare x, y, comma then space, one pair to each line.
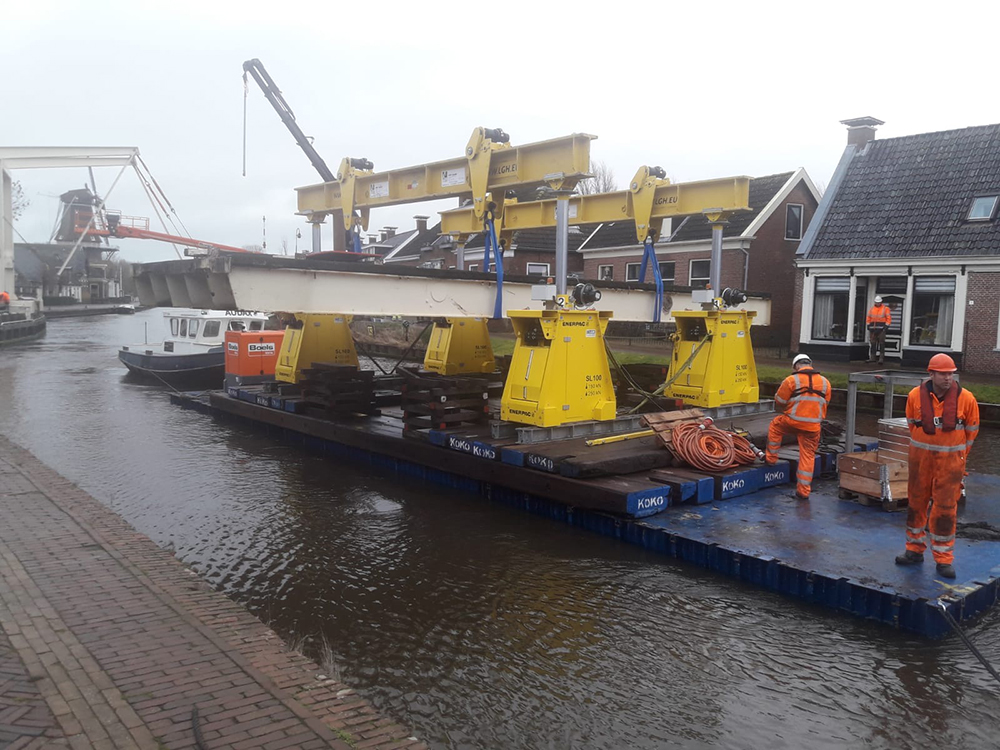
421, 223
389, 232
861, 130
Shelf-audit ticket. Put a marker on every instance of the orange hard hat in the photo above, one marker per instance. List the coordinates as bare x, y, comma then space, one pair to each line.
941, 363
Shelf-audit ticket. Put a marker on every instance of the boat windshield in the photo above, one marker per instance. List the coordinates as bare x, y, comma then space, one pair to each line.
193, 329
174, 323
211, 329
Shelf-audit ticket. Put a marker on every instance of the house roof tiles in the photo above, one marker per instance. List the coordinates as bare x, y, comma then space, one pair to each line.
910, 197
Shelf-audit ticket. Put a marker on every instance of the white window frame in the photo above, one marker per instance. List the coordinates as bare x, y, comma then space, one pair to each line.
802, 217
529, 272
215, 331
691, 277
993, 209
600, 273
473, 267
629, 267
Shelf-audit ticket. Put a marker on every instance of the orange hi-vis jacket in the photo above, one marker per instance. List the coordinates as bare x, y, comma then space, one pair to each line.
804, 396
879, 315
955, 442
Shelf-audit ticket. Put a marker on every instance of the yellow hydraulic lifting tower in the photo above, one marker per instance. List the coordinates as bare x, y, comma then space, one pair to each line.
559, 370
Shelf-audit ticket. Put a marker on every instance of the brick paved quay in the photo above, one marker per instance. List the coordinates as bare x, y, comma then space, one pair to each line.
108, 641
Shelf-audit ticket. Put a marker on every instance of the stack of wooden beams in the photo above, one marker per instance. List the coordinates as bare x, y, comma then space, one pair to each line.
330, 389
443, 401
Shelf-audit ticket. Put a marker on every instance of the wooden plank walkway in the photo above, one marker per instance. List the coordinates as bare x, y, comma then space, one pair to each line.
109, 642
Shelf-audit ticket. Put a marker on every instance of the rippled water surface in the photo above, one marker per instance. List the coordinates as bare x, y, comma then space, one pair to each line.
477, 625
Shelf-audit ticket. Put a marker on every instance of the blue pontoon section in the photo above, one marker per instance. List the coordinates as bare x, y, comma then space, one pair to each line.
825, 551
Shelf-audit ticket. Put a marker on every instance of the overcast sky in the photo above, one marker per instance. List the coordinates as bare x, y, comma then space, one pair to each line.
701, 89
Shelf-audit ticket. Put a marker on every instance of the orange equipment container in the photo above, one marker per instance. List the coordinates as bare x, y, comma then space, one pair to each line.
251, 356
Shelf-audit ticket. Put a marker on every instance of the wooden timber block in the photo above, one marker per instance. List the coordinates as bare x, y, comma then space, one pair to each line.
862, 473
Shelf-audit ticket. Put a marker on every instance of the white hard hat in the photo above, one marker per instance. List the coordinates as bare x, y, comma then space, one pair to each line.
878, 300
800, 359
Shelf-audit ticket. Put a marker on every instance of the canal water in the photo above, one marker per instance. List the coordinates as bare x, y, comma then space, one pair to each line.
477, 625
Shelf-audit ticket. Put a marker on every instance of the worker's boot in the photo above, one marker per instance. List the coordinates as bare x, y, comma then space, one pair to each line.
909, 558
946, 570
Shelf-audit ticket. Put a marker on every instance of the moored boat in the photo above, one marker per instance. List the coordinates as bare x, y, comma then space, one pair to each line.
192, 353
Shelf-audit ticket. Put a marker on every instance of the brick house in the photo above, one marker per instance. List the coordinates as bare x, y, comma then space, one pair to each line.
914, 220
758, 248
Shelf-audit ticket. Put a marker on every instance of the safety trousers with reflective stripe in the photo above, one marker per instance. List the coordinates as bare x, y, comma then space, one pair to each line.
935, 485
808, 437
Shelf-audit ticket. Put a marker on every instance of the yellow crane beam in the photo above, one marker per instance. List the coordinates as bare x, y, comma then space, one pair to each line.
648, 202
488, 165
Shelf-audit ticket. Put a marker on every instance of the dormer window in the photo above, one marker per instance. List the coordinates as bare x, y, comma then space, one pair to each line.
984, 208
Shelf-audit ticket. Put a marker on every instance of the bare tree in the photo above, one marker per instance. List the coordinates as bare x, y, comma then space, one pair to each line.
17, 199
603, 180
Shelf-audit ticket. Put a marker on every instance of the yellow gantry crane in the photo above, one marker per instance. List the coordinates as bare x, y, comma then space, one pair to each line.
489, 166
559, 372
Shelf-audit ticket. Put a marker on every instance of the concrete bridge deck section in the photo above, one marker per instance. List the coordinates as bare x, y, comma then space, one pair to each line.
253, 281
109, 642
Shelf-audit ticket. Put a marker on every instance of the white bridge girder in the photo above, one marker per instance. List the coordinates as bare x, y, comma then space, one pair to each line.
279, 284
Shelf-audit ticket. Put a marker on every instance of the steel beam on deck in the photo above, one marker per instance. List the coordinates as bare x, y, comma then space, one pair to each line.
262, 282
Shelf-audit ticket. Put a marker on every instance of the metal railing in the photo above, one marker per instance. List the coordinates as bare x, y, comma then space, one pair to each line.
887, 378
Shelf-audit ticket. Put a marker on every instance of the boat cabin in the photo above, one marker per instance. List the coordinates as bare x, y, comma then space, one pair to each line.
203, 330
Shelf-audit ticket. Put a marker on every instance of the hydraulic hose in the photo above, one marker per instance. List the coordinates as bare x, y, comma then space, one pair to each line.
706, 447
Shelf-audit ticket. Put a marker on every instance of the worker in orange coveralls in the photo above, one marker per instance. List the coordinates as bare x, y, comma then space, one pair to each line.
944, 422
804, 395
4, 301
878, 321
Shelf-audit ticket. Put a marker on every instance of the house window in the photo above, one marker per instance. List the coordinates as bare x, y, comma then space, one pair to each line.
984, 208
793, 221
474, 267
830, 305
632, 272
538, 269
667, 271
605, 273
699, 274
933, 316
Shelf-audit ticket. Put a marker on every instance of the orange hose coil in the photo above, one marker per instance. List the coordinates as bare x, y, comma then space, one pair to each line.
708, 448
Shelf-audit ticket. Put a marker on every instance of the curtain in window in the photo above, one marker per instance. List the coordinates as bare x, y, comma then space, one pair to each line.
945, 321
822, 316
